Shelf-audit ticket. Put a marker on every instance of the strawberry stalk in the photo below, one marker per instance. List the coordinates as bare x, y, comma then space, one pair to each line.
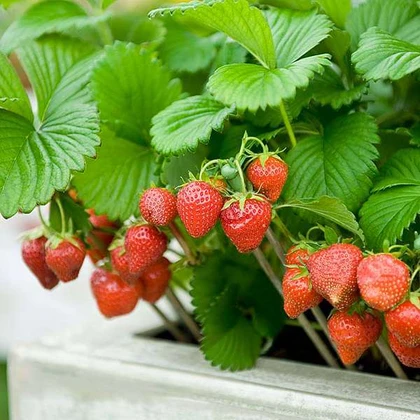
303, 321
288, 125
183, 313
183, 243
389, 356
171, 326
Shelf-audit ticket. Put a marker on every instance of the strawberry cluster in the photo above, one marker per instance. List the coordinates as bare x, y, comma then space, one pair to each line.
366, 292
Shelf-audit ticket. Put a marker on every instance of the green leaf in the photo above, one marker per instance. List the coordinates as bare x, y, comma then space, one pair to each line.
233, 17
139, 87
249, 86
35, 162
44, 18
229, 340
184, 51
389, 15
186, 123
329, 89
383, 56
229, 53
112, 183
12, 94
396, 203
331, 209
47, 60
338, 164
337, 10
295, 33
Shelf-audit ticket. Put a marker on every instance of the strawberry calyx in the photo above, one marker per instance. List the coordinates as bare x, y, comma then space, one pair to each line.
414, 298
242, 198
55, 240
35, 233
117, 242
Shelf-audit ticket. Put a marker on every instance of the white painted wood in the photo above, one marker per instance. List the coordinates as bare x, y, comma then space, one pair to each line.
110, 374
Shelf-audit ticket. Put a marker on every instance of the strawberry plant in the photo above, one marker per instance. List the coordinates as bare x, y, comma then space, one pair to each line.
225, 132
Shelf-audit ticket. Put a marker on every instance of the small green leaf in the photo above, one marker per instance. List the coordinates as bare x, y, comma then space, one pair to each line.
112, 183
186, 123
139, 87
45, 18
340, 163
12, 93
184, 51
396, 203
331, 209
383, 56
249, 86
295, 33
233, 17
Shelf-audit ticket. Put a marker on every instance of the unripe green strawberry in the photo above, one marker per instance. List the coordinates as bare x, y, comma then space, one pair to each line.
353, 334
158, 206
268, 176
404, 323
299, 295
246, 226
383, 281
408, 356
199, 205
333, 273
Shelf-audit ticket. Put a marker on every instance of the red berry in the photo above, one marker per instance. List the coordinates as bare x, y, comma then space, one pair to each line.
120, 264
246, 227
333, 273
408, 356
268, 178
383, 281
404, 323
297, 256
33, 253
199, 205
353, 334
113, 295
155, 280
66, 259
299, 295
158, 206
144, 245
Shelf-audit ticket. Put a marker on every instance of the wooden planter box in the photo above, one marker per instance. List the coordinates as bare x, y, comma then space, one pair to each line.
113, 375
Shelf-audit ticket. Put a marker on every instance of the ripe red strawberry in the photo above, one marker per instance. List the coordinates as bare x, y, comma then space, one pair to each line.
120, 264
404, 323
98, 239
33, 253
199, 205
353, 334
246, 227
297, 256
66, 259
158, 206
155, 280
144, 244
299, 295
333, 273
408, 356
383, 281
268, 177
113, 295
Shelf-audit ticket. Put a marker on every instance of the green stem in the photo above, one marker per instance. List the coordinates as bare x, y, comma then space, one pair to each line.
62, 216
183, 243
105, 33
241, 176
287, 124
171, 326
207, 165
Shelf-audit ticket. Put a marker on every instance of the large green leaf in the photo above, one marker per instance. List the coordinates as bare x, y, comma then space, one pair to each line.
52, 56
393, 16
130, 87
396, 203
112, 183
38, 160
186, 123
249, 86
383, 56
47, 17
236, 18
295, 33
12, 94
338, 164
337, 10
331, 209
